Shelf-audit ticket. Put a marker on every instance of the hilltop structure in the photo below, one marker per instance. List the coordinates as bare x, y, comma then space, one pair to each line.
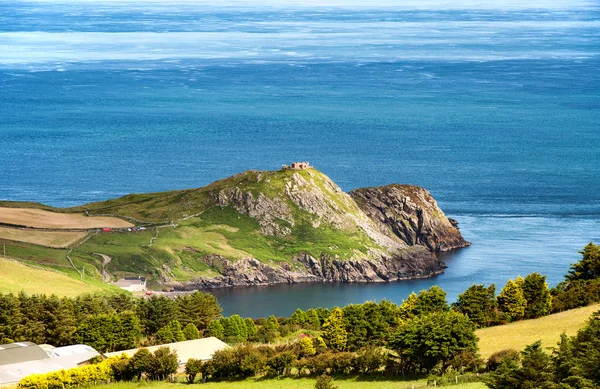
297, 166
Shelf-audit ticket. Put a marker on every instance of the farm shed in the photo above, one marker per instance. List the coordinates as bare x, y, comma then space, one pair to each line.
202, 349
21, 352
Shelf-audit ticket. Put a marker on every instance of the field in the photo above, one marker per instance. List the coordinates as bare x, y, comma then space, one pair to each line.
291, 383
39, 218
520, 334
59, 239
15, 277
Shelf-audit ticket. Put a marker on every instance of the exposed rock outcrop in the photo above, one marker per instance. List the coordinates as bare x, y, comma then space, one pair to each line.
414, 263
410, 213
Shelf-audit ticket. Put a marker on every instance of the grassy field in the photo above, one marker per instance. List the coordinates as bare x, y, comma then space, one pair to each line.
15, 277
39, 218
59, 239
291, 383
520, 334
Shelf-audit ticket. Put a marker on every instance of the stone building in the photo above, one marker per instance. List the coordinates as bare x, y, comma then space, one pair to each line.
297, 166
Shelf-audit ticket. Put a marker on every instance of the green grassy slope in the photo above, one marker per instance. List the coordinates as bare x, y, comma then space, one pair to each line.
203, 226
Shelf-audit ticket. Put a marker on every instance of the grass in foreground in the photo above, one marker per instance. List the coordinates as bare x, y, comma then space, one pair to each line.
294, 383
520, 334
15, 277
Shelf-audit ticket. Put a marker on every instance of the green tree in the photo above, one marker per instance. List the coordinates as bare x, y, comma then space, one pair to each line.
251, 329
215, 328
271, 324
198, 308
511, 302
408, 307
313, 320
432, 300
298, 318
479, 304
588, 268
140, 362
191, 332
334, 330
537, 294
128, 331
162, 364
434, 339
155, 313
98, 331
193, 367
308, 349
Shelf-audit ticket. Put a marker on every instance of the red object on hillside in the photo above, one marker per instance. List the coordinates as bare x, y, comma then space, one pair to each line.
106, 229
149, 293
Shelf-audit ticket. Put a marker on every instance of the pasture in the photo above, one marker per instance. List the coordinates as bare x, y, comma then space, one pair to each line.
39, 218
55, 239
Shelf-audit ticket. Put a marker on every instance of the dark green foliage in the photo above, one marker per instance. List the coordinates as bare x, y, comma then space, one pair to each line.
251, 329
325, 382
432, 300
162, 364
191, 332
238, 362
234, 329
369, 360
498, 358
193, 367
478, 303
299, 318
537, 295
436, 339
535, 371
281, 363
139, 362
109, 332
575, 294
215, 328
198, 308
585, 349
156, 312
313, 320
588, 268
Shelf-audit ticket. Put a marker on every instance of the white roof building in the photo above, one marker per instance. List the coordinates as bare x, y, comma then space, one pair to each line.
202, 349
58, 358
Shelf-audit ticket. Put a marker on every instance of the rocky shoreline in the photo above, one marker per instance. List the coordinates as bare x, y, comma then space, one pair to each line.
307, 269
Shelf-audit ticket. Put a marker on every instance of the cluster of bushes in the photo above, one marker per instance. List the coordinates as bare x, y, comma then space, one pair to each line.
434, 342
157, 366
574, 364
80, 376
107, 323
160, 365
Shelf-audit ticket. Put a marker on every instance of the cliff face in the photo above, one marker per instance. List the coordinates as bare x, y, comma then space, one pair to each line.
411, 214
411, 264
403, 227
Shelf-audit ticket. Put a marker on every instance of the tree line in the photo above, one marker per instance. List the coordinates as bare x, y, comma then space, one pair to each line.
118, 322
105, 322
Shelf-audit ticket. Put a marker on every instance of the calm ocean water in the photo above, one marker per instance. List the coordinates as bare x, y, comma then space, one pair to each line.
494, 108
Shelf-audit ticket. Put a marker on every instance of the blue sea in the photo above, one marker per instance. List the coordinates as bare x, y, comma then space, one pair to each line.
494, 106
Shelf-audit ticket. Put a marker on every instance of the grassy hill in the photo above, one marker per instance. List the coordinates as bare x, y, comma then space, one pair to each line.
16, 276
522, 333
